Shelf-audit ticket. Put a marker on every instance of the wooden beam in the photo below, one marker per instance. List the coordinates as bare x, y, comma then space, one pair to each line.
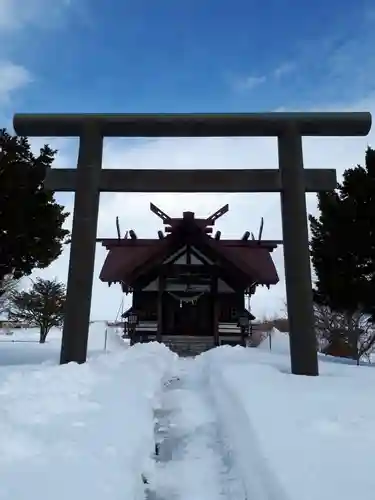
191, 181
193, 280
114, 242
160, 315
194, 125
215, 310
176, 270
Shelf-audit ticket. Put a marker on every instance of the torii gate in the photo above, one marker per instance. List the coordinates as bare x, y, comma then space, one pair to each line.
291, 180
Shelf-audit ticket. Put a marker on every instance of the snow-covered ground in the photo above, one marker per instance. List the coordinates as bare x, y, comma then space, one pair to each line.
296, 437
78, 431
231, 424
22, 347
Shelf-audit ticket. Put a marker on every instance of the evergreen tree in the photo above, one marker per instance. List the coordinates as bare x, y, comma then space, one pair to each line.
343, 242
42, 306
31, 233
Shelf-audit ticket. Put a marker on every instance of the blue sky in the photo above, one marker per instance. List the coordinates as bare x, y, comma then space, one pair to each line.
185, 56
191, 55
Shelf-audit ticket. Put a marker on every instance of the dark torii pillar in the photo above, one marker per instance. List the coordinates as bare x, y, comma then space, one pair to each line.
291, 180
299, 292
83, 245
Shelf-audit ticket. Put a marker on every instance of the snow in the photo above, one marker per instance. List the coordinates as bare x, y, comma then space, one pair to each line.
276, 341
232, 423
22, 346
296, 437
194, 461
77, 431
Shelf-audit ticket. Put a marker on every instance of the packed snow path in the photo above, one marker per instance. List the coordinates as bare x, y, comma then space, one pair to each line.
193, 461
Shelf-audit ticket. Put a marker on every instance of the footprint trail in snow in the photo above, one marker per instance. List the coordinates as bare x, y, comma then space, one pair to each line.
193, 461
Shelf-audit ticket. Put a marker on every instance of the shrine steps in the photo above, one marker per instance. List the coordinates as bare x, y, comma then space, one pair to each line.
186, 345
192, 345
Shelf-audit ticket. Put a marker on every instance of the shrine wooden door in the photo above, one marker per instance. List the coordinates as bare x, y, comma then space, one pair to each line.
187, 319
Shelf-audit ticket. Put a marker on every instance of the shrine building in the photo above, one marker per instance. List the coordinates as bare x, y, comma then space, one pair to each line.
189, 286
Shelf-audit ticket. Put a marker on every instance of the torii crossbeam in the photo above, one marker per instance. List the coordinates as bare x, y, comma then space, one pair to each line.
291, 180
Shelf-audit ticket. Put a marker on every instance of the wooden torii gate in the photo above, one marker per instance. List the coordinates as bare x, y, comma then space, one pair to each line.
291, 180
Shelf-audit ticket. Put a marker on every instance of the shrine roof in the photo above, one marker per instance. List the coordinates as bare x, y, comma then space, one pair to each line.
123, 261
127, 259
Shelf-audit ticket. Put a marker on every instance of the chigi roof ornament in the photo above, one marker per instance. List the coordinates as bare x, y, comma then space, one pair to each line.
205, 224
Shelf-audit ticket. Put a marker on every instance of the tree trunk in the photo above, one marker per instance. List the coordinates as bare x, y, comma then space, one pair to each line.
352, 337
43, 334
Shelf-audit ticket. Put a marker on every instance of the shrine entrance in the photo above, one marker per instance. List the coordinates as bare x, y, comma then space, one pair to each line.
291, 180
186, 319
189, 314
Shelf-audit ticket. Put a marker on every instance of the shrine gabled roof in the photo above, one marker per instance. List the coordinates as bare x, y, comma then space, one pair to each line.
127, 259
122, 260
252, 260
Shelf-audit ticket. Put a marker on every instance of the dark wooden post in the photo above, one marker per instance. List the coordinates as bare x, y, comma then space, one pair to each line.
215, 310
304, 360
82, 250
161, 288
244, 335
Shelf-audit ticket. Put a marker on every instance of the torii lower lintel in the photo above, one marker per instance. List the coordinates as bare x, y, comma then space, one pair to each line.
186, 181
291, 180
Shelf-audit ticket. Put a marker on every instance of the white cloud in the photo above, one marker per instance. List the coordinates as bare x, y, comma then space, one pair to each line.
16, 19
284, 69
245, 210
15, 14
248, 82
13, 77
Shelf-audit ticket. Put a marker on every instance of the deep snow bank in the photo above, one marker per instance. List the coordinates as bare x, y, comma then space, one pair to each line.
81, 431
296, 437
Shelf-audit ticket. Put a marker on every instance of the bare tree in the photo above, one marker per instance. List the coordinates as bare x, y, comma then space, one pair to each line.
343, 333
8, 285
